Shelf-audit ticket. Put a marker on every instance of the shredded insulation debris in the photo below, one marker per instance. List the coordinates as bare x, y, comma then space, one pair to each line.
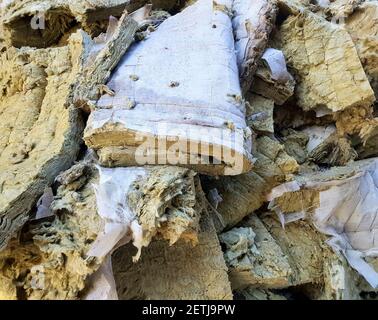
194, 149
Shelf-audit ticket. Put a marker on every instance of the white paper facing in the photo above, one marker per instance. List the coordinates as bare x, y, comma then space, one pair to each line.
348, 212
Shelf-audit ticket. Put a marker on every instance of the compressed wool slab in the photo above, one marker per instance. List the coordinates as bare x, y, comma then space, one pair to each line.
50, 260
245, 193
302, 246
326, 65
254, 258
164, 100
362, 25
178, 272
40, 129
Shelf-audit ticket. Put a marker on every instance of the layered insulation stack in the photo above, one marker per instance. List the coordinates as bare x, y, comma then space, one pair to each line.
188, 149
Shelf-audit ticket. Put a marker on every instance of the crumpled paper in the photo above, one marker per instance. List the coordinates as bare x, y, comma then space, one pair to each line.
348, 212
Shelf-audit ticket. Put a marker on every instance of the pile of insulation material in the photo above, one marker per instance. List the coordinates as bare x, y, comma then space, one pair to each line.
195, 149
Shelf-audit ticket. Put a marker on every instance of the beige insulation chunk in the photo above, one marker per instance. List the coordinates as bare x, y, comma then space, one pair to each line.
177, 272
352, 120
49, 262
40, 128
246, 193
42, 23
165, 110
340, 282
108, 51
52, 258
298, 252
341, 9
334, 10
344, 208
369, 135
275, 151
360, 124
325, 62
296, 143
254, 258
168, 202
326, 147
362, 25
141, 203
260, 113
263, 255
43, 139
253, 22
265, 85
302, 246
333, 151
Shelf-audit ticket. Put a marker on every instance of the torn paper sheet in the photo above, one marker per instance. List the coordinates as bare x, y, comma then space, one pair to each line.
347, 211
102, 284
275, 59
